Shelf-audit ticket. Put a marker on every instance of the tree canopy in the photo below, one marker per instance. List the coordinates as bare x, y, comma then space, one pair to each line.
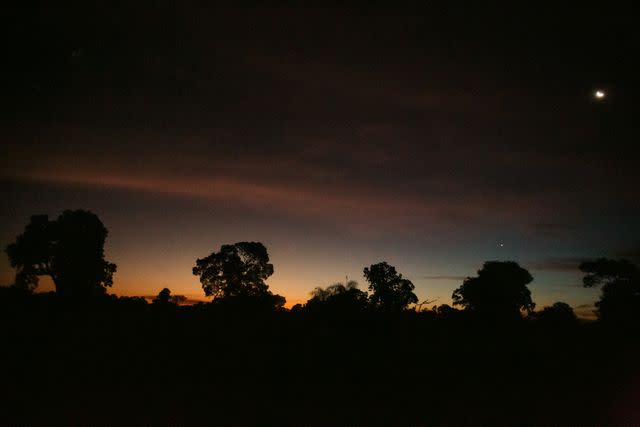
69, 249
560, 313
390, 291
237, 271
620, 281
499, 290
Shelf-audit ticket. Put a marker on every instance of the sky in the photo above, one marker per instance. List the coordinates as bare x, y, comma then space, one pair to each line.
434, 138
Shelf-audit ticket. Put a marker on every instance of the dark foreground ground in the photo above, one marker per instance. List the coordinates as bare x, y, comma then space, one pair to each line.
144, 366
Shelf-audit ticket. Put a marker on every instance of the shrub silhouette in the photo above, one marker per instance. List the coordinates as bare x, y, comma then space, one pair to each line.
620, 281
338, 298
499, 291
70, 250
390, 291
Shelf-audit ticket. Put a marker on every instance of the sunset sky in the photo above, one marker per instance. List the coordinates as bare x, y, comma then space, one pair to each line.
434, 139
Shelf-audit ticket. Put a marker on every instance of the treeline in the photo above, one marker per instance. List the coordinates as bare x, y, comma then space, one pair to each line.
348, 356
70, 250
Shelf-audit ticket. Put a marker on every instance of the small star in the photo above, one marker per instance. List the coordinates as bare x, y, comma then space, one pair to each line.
501, 245
599, 94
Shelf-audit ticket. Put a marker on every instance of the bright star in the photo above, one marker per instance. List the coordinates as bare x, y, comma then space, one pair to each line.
599, 94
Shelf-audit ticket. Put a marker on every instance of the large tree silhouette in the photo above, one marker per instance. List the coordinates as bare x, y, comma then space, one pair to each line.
500, 290
70, 250
390, 291
620, 281
237, 271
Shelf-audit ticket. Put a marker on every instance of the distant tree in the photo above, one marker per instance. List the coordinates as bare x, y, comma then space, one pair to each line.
390, 291
620, 281
500, 290
445, 311
559, 313
340, 298
238, 271
178, 299
70, 250
165, 298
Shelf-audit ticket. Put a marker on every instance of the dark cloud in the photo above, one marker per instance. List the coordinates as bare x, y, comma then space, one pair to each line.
570, 264
454, 278
552, 229
559, 264
632, 253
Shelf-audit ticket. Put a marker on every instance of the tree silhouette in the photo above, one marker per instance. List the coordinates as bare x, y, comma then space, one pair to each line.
559, 313
70, 250
165, 298
340, 298
237, 271
620, 281
500, 290
390, 291
178, 299
445, 311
